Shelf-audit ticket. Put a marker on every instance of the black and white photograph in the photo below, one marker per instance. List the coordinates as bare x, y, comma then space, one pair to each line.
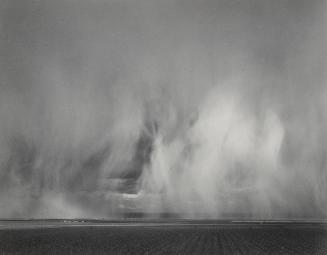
186, 127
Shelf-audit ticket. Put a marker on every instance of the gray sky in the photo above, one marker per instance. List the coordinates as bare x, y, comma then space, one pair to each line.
97, 97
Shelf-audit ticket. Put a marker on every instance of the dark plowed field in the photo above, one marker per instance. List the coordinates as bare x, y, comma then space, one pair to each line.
167, 239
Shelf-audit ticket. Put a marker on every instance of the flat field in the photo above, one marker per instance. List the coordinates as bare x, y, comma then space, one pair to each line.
162, 238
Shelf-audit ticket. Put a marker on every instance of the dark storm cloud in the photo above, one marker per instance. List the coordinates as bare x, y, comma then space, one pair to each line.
194, 107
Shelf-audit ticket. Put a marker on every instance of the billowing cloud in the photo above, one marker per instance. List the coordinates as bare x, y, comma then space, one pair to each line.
201, 109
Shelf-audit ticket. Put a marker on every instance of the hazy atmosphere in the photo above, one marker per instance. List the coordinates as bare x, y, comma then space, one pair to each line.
195, 108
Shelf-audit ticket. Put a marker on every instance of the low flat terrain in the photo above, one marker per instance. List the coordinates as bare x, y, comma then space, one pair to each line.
162, 238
